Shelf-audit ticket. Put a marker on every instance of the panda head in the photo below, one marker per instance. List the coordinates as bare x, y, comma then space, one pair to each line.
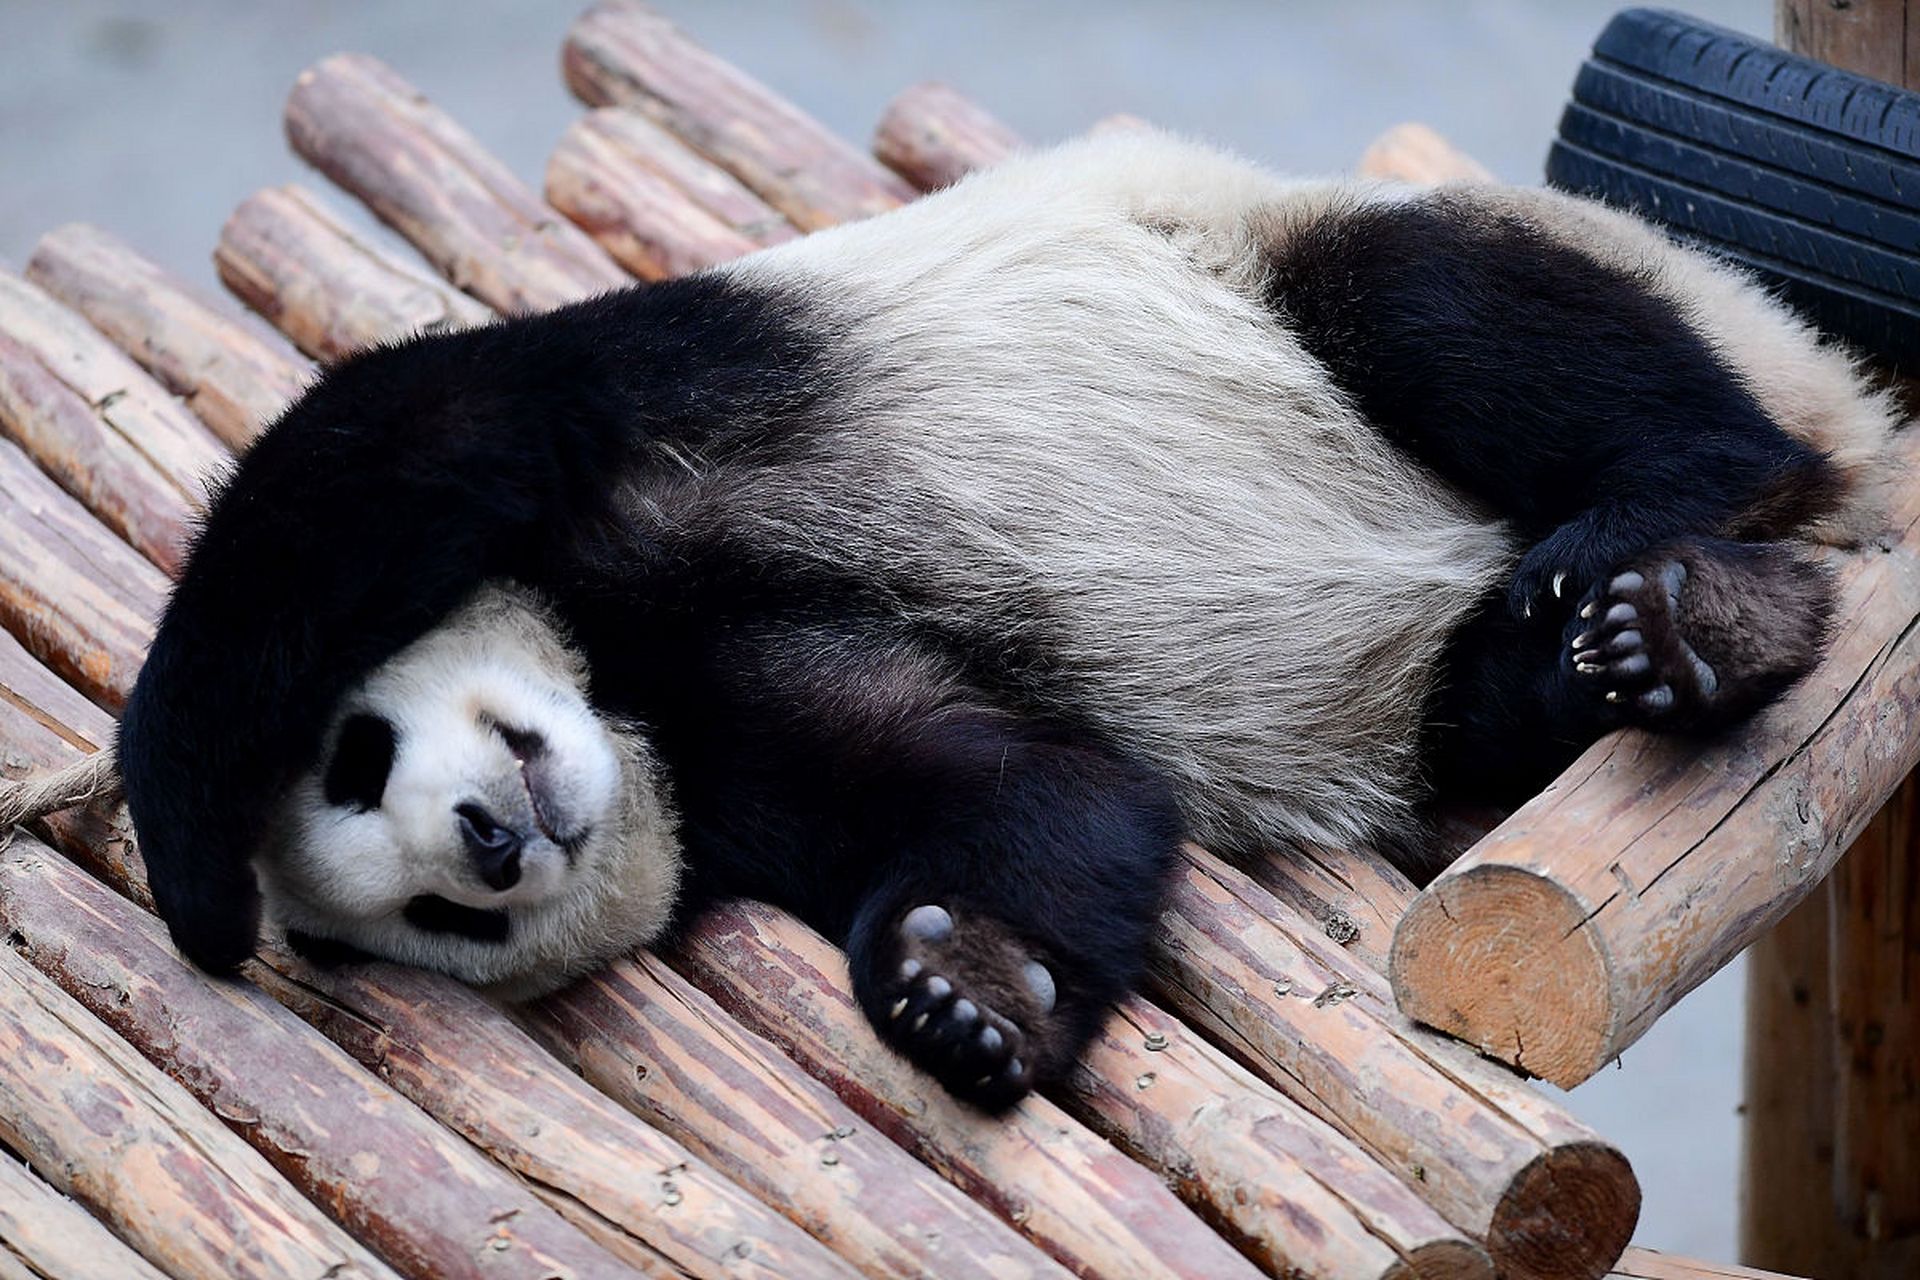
472, 812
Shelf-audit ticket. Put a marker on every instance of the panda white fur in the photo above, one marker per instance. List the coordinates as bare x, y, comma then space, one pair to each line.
466, 778
947, 568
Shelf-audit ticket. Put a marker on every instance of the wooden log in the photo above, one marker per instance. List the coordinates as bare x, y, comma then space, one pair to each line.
1786, 1178
1294, 1194
1354, 895
331, 292
1649, 1264
423, 1199
129, 403
77, 597
1544, 1194
109, 1129
933, 136
99, 426
44, 726
642, 1034
358, 122
235, 377
1557, 941
656, 206
1070, 1192
642, 1195
1416, 153
52, 1238
620, 52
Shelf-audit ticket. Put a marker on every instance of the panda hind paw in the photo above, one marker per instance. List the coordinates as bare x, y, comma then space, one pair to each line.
967, 1002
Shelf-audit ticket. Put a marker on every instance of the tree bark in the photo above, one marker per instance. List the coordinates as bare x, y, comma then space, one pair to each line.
423, 1199
329, 291
235, 376
933, 136
1556, 942
104, 1126
1545, 1194
664, 1050
656, 206
358, 122
620, 52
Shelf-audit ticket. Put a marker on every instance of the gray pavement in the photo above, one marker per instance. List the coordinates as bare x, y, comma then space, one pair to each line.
155, 119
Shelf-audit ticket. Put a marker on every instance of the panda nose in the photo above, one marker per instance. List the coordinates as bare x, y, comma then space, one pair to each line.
494, 849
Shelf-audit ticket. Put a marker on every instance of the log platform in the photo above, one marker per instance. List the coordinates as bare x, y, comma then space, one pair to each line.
1266, 1106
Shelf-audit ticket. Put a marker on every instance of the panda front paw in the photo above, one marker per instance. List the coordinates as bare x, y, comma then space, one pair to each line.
967, 1002
1626, 647
1551, 576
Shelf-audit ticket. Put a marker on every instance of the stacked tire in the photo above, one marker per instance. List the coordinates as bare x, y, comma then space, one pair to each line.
1807, 175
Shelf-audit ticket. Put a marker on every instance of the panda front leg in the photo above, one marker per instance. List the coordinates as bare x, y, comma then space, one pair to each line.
1697, 633
1016, 884
1687, 636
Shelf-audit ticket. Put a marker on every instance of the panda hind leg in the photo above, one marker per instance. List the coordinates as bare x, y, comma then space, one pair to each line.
1697, 633
1012, 910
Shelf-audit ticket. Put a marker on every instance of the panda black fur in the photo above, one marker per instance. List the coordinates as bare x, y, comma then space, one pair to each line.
957, 563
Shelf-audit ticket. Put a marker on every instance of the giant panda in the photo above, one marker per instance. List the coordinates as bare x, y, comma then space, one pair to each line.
934, 576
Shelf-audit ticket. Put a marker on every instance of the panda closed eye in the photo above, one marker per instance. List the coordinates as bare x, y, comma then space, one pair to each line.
356, 776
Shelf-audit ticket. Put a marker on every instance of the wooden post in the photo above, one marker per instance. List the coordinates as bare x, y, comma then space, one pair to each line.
1830, 1184
1787, 1112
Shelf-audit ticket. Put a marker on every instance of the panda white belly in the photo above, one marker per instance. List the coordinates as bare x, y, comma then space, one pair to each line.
1069, 420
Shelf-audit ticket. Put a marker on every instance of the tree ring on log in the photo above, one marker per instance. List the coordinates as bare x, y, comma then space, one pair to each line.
1570, 1212
1499, 956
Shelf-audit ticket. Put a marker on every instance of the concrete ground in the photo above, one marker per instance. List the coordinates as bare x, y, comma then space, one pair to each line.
155, 119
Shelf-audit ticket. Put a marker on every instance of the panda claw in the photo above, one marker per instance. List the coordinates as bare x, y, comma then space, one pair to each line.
1613, 695
920, 1022
899, 1007
1559, 581
1588, 668
1588, 610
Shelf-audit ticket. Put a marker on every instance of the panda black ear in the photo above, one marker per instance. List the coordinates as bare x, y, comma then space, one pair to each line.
362, 758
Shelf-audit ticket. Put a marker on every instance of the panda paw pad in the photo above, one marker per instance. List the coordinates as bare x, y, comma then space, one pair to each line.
966, 1002
1625, 644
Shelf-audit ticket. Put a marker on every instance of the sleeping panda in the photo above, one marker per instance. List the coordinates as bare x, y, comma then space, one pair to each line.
934, 576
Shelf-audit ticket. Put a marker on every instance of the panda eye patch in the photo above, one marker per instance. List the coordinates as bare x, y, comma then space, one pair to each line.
362, 758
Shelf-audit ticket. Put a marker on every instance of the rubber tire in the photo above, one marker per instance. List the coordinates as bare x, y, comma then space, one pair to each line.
1807, 175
